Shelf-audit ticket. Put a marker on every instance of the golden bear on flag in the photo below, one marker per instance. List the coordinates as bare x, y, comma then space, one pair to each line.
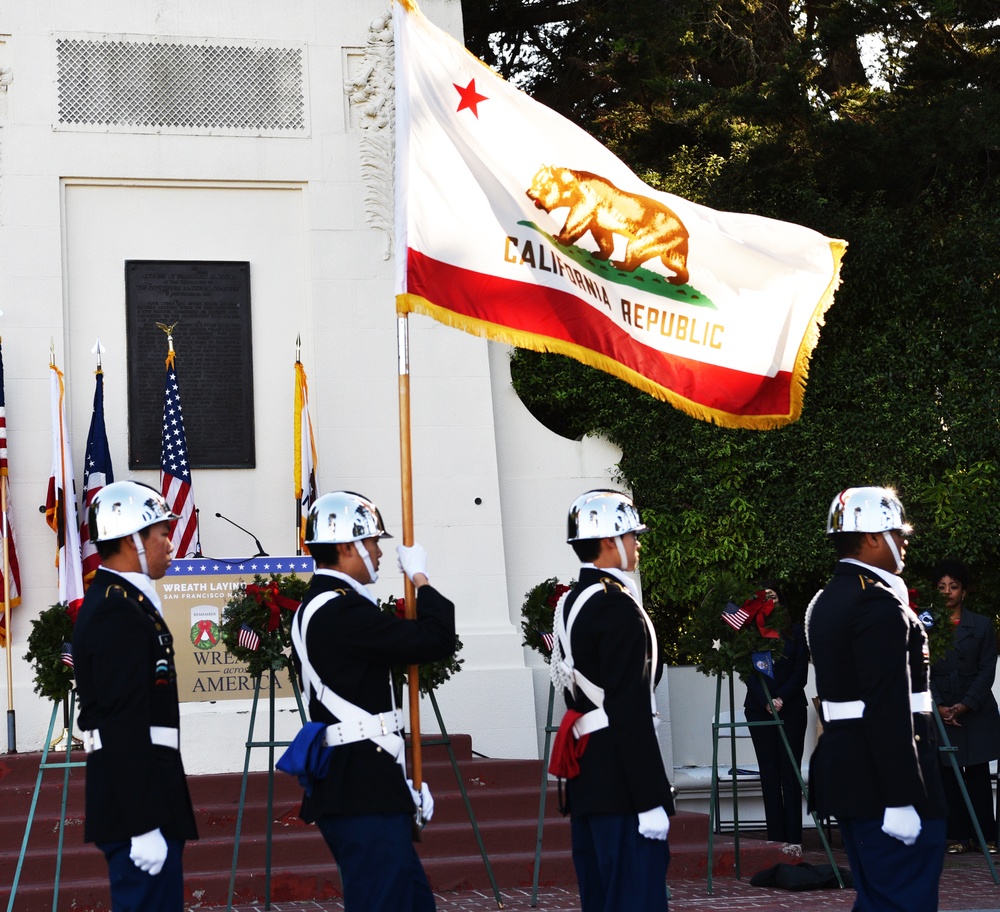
598, 206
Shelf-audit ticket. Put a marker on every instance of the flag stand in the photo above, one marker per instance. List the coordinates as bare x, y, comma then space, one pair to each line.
270, 744
445, 740
550, 730
65, 766
77, 743
949, 750
714, 797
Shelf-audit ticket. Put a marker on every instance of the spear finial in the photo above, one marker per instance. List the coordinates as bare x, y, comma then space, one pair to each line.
98, 350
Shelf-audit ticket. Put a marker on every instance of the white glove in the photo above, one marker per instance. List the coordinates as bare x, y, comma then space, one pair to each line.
412, 560
654, 824
149, 852
902, 823
422, 800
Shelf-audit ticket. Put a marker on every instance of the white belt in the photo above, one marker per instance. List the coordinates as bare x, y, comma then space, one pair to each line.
854, 709
158, 734
362, 729
589, 722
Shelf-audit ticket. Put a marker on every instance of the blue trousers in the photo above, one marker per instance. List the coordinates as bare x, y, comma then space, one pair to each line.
617, 869
379, 867
890, 876
133, 890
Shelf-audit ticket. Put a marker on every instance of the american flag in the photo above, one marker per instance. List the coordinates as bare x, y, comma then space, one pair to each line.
66, 656
734, 615
305, 453
175, 469
10, 586
547, 638
248, 638
97, 472
60, 499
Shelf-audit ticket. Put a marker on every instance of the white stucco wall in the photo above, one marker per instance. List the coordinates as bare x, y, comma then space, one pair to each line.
490, 485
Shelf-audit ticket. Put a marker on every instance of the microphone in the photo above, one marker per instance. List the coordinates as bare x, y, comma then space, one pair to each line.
260, 548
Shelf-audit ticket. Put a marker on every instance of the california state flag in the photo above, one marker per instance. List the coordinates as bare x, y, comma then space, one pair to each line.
515, 224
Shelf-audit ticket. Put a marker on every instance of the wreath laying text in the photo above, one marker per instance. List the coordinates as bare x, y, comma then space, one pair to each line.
432, 674
719, 648
538, 614
257, 621
50, 651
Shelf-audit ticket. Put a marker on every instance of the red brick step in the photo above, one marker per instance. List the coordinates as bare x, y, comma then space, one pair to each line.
503, 793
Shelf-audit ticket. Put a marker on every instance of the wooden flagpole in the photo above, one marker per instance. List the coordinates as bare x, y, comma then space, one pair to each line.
11, 721
297, 455
11, 718
406, 484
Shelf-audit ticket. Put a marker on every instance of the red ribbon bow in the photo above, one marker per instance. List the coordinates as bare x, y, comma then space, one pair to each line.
557, 594
205, 632
759, 607
270, 597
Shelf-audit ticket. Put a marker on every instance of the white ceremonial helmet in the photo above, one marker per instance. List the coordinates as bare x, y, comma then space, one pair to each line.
868, 509
603, 514
343, 516
123, 508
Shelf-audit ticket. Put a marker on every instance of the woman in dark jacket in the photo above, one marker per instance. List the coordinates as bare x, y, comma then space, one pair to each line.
962, 688
779, 780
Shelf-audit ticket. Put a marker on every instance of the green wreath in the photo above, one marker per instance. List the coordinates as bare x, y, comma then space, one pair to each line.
431, 674
52, 628
538, 614
265, 607
717, 647
930, 606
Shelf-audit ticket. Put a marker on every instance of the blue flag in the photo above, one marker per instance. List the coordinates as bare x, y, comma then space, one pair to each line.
97, 472
763, 662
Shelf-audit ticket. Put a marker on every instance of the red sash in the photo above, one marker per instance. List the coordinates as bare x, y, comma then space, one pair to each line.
566, 748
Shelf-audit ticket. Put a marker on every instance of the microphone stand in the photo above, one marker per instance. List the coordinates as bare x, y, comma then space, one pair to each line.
260, 548
197, 534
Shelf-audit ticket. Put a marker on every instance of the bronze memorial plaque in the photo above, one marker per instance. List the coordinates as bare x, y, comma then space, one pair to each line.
208, 305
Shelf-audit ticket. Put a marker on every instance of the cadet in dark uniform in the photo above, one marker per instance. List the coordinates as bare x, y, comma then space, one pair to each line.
344, 647
875, 767
606, 658
138, 810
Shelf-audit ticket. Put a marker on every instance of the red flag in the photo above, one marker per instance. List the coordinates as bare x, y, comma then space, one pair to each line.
305, 452
10, 573
175, 468
60, 500
97, 472
514, 224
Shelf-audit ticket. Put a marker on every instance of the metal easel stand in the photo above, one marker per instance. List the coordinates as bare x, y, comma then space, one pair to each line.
270, 744
714, 799
550, 729
65, 766
950, 751
445, 739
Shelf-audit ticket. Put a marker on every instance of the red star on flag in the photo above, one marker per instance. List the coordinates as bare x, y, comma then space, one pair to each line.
470, 97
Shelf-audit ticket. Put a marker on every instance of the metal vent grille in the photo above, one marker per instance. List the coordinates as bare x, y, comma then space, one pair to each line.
143, 86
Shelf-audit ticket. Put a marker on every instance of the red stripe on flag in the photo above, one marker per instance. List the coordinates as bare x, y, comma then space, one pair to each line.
558, 317
177, 495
